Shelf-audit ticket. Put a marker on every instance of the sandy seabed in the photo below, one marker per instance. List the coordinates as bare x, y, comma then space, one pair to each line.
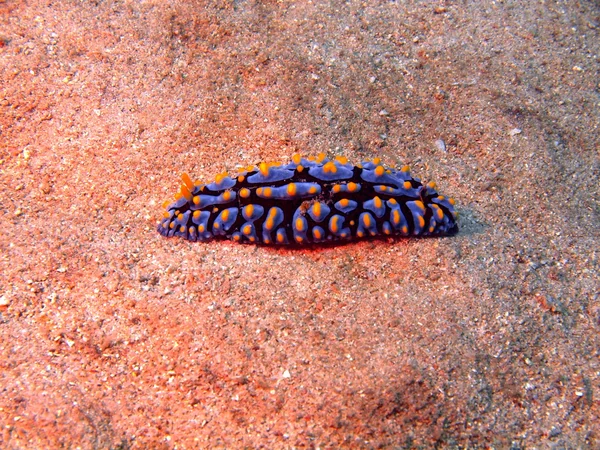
112, 336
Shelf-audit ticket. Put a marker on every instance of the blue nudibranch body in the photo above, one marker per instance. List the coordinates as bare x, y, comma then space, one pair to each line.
308, 201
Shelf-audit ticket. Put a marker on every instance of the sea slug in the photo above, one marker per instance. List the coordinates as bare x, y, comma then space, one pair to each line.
308, 201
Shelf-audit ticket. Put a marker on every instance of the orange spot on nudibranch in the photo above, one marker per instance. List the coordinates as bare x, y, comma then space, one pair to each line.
220, 177
367, 220
316, 209
437, 211
330, 167
334, 225
264, 169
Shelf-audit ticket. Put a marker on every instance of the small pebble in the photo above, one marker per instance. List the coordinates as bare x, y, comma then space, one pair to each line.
440, 144
514, 132
555, 431
4, 301
45, 187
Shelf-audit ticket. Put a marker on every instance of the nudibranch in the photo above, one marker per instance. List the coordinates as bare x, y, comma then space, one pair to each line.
308, 201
